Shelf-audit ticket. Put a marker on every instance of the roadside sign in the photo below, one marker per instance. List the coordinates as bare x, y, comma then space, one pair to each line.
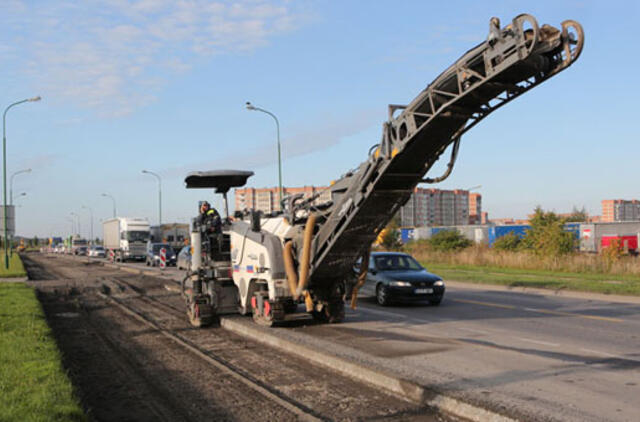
163, 258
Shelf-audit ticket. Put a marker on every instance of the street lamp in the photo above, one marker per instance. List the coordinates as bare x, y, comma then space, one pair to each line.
13, 197
4, 171
159, 194
11, 182
254, 108
91, 216
77, 222
73, 225
114, 203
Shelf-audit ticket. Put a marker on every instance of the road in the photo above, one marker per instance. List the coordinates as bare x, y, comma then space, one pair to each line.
532, 356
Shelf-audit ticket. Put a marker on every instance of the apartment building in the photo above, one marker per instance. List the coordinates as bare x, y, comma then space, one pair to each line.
266, 199
436, 207
615, 210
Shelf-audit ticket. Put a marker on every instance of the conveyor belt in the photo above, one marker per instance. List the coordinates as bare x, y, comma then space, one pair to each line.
510, 62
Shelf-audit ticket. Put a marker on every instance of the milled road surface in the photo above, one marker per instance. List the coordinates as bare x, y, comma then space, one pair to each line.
124, 370
531, 356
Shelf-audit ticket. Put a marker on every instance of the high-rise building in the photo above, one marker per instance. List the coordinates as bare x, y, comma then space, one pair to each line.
620, 210
266, 199
436, 207
475, 209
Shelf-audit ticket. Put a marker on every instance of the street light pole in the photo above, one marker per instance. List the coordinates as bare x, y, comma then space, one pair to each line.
77, 222
4, 172
159, 194
11, 182
254, 108
114, 203
91, 216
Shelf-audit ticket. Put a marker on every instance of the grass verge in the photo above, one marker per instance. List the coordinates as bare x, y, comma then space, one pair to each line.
16, 269
585, 282
33, 385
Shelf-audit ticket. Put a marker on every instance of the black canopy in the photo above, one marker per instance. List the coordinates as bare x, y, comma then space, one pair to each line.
221, 180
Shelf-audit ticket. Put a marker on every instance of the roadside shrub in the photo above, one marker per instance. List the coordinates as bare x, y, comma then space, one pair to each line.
449, 240
509, 242
547, 236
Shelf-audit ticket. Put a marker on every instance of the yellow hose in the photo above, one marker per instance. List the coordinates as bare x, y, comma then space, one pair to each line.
289, 268
303, 279
362, 277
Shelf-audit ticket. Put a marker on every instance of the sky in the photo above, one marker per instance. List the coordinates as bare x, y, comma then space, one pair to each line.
128, 85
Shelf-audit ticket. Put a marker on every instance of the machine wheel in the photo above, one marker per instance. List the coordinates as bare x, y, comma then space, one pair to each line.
332, 313
264, 318
200, 314
382, 296
290, 306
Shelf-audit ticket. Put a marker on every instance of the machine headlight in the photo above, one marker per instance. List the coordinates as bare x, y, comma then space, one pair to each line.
400, 284
439, 283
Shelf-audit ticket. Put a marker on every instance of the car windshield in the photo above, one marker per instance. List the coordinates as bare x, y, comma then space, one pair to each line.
98, 248
137, 236
396, 263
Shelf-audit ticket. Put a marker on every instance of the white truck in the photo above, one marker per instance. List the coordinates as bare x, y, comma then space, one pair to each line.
126, 238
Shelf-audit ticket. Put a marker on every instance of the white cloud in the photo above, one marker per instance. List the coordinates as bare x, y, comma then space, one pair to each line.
101, 53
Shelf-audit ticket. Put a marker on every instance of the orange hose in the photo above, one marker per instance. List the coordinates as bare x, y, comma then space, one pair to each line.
303, 279
362, 277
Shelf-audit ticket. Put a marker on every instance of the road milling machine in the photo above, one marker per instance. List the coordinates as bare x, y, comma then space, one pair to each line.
305, 253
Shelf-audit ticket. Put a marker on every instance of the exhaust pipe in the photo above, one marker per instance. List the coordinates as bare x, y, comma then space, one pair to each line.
303, 279
196, 251
362, 277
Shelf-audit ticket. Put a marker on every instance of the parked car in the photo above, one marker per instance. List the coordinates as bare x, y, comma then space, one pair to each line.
97, 252
80, 250
398, 277
153, 254
184, 258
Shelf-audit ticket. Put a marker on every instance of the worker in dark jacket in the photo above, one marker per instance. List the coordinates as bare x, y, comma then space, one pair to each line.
209, 224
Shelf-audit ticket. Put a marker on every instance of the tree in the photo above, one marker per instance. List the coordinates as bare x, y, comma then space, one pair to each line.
547, 236
449, 240
578, 215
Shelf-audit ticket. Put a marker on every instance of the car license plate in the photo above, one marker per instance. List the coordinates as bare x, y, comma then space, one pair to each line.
419, 291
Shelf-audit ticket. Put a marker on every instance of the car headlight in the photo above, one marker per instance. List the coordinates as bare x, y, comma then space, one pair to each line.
400, 284
439, 283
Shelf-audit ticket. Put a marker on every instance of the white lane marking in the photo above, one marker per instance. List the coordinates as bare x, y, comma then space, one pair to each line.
597, 352
544, 343
374, 311
474, 330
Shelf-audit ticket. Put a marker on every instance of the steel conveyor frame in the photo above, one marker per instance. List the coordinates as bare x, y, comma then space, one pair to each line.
510, 62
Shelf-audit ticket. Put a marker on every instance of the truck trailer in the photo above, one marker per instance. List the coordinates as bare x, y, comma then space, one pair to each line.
125, 239
174, 234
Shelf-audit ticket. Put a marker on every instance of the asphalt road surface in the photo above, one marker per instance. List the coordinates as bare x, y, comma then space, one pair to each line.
532, 356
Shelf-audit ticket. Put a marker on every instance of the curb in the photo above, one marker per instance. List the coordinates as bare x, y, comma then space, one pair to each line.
574, 294
14, 279
407, 390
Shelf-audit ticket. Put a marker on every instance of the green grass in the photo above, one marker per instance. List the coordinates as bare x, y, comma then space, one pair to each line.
585, 282
33, 385
16, 269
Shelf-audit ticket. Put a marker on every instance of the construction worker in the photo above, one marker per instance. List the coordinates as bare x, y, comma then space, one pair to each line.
209, 224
